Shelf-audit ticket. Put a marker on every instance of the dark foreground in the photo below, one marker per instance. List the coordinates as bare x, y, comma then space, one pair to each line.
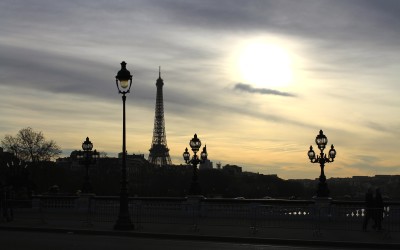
19, 240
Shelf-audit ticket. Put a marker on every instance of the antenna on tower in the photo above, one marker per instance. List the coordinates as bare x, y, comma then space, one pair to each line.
159, 71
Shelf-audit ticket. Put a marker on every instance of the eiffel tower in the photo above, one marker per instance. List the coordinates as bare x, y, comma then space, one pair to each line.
159, 152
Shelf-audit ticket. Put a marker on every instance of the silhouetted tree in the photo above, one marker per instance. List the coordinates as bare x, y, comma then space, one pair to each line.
29, 145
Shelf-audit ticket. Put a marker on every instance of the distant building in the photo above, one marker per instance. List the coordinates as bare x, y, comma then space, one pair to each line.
233, 169
105, 165
134, 162
206, 165
307, 183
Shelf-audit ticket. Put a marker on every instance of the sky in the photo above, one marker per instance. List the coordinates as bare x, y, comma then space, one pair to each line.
256, 80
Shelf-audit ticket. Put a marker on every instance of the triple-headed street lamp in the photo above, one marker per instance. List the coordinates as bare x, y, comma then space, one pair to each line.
124, 83
195, 144
321, 141
87, 157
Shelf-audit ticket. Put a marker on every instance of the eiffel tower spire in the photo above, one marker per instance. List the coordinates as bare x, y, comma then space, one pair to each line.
159, 152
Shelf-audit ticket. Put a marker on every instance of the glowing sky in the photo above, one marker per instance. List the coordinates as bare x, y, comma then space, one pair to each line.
256, 80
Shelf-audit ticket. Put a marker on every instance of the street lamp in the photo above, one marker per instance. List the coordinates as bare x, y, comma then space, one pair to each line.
195, 144
321, 141
123, 81
87, 157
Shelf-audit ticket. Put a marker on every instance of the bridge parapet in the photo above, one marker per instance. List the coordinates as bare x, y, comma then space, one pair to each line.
200, 212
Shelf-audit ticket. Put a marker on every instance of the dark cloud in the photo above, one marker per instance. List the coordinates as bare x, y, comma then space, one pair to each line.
248, 88
371, 165
57, 73
383, 128
312, 18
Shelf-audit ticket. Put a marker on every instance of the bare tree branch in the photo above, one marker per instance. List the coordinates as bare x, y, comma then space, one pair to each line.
29, 145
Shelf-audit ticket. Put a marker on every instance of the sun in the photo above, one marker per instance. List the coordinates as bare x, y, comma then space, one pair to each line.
265, 65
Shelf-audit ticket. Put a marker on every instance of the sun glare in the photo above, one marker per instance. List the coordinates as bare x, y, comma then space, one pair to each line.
265, 65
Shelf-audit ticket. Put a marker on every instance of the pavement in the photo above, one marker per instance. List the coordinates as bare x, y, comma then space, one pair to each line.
70, 241
306, 235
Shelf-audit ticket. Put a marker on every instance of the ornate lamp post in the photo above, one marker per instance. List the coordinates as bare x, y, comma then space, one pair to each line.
87, 157
195, 144
124, 83
321, 141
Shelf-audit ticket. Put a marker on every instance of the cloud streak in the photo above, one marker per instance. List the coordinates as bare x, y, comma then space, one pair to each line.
248, 88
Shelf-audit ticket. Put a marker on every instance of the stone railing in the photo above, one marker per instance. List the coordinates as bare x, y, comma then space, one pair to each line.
199, 212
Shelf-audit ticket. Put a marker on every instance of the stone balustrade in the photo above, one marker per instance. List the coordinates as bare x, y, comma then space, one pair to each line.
198, 212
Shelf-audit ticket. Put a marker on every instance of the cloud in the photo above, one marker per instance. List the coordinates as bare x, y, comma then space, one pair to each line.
262, 91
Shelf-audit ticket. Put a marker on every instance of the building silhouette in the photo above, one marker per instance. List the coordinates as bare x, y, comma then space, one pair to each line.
207, 164
159, 152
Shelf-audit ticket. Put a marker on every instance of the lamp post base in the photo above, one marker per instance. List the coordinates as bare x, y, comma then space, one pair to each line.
87, 187
322, 190
195, 188
124, 224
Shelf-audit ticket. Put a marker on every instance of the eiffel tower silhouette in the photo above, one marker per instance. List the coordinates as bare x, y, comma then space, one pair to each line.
159, 152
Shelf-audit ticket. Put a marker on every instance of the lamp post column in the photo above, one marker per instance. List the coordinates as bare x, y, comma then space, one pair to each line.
124, 221
195, 187
87, 157
124, 188
321, 140
87, 187
195, 144
322, 190
124, 81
